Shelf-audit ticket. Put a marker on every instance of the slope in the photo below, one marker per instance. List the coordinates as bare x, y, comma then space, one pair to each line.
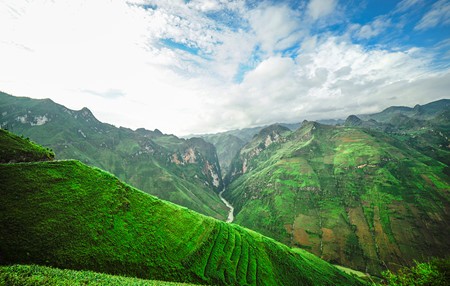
353, 196
68, 215
425, 128
229, 143
186, 172
32, 275
16, 149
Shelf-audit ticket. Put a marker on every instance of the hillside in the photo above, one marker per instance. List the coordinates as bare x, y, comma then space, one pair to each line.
229, 143
186, 172
32, 275
68, 215
425, 128
353, 196
15, 149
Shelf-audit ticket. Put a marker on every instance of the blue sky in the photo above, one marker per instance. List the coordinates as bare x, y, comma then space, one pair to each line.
205, 66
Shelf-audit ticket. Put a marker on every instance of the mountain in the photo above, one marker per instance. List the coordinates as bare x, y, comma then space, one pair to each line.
351, 195
426, 111
68, 215
425, 128
229, 143
186, 172
227, 147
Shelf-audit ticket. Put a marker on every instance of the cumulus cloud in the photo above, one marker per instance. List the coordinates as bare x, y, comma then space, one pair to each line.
374, 28
173, 65
275, 27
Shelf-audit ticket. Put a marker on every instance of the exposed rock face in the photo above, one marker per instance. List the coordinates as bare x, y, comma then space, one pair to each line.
263, 140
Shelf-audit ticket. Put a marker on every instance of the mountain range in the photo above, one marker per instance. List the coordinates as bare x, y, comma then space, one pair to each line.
69, 215
183, 171
370, 192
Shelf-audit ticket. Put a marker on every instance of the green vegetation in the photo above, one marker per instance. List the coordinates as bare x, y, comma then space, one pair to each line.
433, 273
17, 149
353, 196
32, 275
185, 172
68, 215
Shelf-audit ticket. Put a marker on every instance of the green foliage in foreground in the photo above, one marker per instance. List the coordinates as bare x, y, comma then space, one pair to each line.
68, 215
16, 149
433, 273
34, 275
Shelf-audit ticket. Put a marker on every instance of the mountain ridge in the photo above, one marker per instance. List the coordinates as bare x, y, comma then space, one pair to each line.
69, 215
184, 171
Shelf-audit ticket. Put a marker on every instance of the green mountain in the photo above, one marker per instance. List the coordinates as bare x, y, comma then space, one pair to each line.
68, 215
426, 111
352, 195
229, 143
186, 172
425, 128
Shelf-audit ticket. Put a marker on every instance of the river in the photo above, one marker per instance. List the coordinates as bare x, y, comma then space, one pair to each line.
227, 203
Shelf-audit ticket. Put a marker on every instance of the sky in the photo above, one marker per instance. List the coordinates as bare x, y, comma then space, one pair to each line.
206, 66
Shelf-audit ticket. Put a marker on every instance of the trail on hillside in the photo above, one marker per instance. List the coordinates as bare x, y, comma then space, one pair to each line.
227, 203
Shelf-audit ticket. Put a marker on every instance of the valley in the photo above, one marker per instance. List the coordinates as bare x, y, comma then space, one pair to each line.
68, 215
371, 193
230, 217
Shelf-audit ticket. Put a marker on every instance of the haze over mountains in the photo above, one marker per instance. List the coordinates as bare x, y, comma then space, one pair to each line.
371, 194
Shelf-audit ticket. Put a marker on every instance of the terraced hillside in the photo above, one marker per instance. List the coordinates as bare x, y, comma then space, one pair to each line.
68, 215
353, 196
32, 275
185, 172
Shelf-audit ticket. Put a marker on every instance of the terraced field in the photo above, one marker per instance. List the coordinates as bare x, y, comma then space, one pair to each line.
68, 215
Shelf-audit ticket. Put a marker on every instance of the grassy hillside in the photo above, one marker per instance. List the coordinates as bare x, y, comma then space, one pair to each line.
186, 172
16, 149
353, 196
32, 275
68, 215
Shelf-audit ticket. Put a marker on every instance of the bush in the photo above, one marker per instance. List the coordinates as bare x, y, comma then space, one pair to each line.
436, 272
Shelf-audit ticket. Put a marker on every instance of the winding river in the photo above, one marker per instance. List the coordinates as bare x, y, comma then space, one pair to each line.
227, 203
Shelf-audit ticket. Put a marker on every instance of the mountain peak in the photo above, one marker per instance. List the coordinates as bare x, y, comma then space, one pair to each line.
273, 129
353, 120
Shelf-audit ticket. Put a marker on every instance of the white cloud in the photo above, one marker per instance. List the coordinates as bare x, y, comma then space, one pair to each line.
109, 56
321, 8
373, 28
275, 27
439, 14
406, 5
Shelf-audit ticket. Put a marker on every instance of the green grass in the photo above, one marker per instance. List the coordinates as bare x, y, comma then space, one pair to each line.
141, 158
33, 275
18, 149
68, 215
355, 187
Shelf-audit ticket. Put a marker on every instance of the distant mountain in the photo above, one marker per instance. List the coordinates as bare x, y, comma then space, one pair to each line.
69, 215
185, 172
426, 111
425, 128
352, 195
230, 142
